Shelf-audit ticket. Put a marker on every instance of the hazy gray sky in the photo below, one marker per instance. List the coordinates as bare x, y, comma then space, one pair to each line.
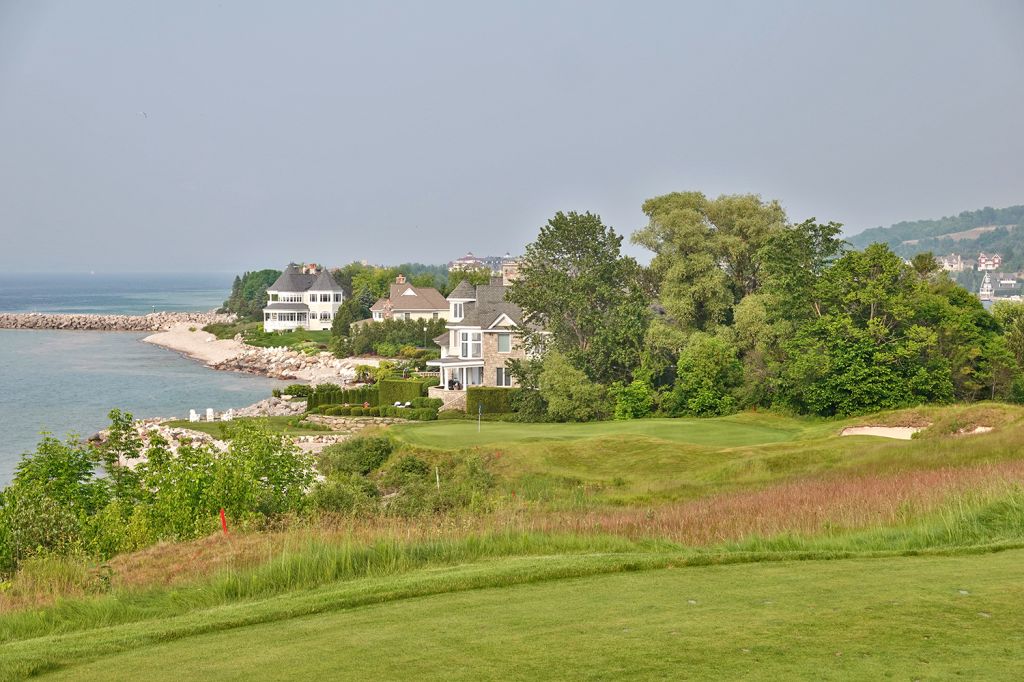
400, 131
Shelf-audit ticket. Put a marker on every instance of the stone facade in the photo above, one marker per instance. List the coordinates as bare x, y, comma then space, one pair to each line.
453, 400
494, 359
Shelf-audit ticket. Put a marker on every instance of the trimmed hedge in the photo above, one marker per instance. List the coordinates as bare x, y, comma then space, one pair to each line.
352, 396
495, 399
391, 391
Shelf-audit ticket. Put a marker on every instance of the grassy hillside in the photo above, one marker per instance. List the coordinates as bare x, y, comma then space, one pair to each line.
751, 546
989, 230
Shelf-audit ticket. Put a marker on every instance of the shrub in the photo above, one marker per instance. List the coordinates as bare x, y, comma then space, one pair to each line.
385, 349
353, 495
632, 401
359, 455
494, 399
339, 411
372, 412
709, 371
434, 403
570, 395
391, 391
298, 390
411, 464
356, 412
451, 414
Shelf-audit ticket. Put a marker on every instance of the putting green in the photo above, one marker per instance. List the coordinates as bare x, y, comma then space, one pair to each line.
732, 431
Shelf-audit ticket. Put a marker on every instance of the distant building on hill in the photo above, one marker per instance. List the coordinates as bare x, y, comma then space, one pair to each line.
989, 262
406, 302
954, 262
467, 262
303, 297
495, 264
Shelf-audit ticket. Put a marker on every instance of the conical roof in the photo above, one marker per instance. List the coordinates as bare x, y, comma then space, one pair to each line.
292, 279
325, 282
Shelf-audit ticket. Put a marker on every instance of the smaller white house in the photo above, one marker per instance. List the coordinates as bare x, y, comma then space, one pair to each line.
302, 298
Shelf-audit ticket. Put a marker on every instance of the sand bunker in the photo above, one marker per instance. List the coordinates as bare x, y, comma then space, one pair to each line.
898, 432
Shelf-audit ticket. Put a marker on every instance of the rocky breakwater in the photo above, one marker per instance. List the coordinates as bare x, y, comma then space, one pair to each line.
109, 323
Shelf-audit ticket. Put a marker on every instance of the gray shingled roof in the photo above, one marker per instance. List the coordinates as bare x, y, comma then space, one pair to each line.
442, 340
463, 290
292, 279
490, 304
325, 282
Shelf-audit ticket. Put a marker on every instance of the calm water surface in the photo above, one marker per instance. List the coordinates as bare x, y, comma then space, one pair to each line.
66, 382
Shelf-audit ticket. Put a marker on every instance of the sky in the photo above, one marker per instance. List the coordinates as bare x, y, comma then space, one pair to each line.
232, 135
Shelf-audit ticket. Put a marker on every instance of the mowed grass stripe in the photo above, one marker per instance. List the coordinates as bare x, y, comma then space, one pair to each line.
733, 431
908, 618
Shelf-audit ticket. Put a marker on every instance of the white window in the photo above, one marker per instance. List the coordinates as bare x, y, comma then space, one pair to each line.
325, 298
457, 311
325, 316
435, 316
377, 315
408, 316
471, 345
337, 298
501, 377
504, 344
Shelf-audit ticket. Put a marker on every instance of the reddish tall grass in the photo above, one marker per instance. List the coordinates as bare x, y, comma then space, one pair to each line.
808, 506
804, 507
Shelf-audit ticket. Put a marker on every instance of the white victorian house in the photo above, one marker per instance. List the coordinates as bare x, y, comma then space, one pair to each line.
302, 298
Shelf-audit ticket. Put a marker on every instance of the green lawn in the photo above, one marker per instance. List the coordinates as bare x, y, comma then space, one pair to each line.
651, 460
742, 429
902, 618
254, 335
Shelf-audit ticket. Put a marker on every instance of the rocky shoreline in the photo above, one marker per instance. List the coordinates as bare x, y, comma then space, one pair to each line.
283, 363
152, 322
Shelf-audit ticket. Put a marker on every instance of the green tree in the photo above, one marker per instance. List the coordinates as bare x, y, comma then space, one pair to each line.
249, 294
633, 400
474, 277
589, 299
706, 252
709, 372
569, 394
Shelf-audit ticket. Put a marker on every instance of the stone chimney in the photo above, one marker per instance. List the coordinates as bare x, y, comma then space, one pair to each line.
509, 270
400, 279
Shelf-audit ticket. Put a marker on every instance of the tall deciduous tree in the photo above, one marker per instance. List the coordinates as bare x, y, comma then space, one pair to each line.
706, 252
576, 286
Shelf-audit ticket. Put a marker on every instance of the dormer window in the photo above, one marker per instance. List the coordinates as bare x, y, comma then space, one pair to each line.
457, 311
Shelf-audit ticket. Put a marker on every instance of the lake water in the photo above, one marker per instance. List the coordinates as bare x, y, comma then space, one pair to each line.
66, 382
117, 293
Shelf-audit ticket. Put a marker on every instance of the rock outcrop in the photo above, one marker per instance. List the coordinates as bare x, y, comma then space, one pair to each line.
284, 363
273, 407
110, 323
